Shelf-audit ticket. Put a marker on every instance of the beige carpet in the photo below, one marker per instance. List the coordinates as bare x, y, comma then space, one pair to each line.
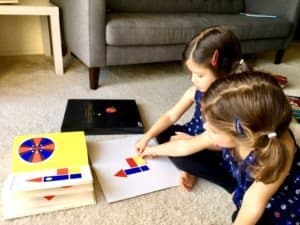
33, 100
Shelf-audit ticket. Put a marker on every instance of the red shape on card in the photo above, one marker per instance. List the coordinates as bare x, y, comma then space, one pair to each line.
121, 173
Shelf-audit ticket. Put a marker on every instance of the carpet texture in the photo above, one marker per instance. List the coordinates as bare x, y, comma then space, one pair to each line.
33, 100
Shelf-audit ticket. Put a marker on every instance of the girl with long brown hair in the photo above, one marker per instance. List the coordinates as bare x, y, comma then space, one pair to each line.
248, 116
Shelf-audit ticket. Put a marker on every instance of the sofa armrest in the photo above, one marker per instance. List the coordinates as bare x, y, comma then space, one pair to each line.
84, 29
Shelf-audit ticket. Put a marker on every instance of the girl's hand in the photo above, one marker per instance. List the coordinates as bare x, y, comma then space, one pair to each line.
148, 152
141, 145
180, 135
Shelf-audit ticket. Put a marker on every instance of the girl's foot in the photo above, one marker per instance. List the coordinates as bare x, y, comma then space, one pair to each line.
187, 181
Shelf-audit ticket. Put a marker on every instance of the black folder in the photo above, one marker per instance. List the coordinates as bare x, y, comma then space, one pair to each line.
102, 116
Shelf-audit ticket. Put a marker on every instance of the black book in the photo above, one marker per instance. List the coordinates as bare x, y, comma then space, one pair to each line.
99, 116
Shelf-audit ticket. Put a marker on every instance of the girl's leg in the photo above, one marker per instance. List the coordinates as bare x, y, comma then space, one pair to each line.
166, 134
262, 221
187, 180
205, 164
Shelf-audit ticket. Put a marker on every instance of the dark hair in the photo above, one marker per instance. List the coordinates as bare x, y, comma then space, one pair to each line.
256, 99
203, 46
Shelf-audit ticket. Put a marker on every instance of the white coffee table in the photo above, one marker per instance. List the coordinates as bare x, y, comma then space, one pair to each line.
41, 8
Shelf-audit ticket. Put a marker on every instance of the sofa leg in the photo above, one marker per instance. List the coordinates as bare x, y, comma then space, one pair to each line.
94, 73
279, 56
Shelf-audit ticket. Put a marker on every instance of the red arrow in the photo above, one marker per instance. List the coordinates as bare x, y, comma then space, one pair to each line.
49, 197
38, 179
121, 173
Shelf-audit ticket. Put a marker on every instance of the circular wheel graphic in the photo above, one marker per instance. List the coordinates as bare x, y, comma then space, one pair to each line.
36, 150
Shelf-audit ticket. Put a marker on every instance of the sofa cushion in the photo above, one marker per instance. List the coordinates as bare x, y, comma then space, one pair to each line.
125, 29
171, 6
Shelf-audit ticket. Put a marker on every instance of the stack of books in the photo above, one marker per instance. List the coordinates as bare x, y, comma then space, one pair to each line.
49, 172
295, 103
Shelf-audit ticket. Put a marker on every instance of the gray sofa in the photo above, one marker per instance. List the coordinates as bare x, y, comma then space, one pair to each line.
116, 32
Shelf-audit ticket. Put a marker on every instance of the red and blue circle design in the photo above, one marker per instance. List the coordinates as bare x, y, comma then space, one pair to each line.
35, 150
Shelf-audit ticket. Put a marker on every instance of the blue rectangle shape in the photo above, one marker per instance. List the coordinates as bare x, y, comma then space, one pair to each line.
132, 170
56, 178
144, 168
75, 175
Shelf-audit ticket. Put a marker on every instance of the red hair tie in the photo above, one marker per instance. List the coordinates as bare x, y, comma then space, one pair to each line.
214, 59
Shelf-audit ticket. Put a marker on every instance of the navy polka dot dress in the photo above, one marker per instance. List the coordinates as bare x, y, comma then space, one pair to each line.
284, 206
195, 126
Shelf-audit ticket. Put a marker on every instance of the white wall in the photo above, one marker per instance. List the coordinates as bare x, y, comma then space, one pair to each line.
21, 35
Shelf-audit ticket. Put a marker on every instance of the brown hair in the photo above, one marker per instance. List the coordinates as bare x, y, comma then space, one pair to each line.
202, 47
256, 99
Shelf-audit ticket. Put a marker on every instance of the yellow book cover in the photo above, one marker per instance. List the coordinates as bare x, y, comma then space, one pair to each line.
49, 160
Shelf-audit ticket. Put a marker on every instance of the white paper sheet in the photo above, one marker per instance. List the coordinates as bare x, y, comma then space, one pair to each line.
109, 157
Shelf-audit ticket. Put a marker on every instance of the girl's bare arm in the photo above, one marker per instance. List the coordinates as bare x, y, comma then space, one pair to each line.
168, 118
181, 147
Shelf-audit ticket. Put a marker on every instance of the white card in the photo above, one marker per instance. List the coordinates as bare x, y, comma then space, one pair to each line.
123, 175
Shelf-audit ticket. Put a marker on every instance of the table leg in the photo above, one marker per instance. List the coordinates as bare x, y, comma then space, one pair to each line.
56, 43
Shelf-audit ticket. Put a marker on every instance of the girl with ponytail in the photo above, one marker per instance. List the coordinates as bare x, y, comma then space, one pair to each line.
248, 116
